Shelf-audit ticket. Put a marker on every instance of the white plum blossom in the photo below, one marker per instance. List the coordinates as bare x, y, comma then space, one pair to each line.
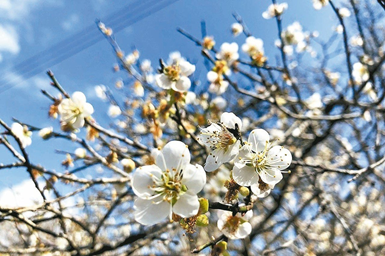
344, 12
221, 141
46, 133
228, 52
73, 110
80, 153
234, 227
219, 102
100, 91
114, 111
217, 84
175, 76
236, 29
22, 133
253, 46
293, 35
274, 10
259, 163
170, 186
145, 66
318, 4
360, 72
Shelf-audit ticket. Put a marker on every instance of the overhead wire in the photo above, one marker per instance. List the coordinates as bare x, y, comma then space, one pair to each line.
83, 40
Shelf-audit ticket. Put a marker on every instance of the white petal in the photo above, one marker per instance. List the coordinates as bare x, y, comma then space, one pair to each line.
279, 157
182, 85
187, 205
143, 178
186, 68
245, 176
258, 139
79, 122
212, 76
194, 177
148, 213
17, 129
88, 109
243, 231
162, 81
259, 193
229, 120
175, 155
212, 163
271, 176
78, 98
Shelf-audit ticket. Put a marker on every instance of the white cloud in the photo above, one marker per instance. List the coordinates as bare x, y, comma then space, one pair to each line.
71, 22
9, 41
23, 194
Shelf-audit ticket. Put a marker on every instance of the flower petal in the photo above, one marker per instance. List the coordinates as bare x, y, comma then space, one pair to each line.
279, 157
245, 176
148, 213
182, 85
79, 122
258, 139
229, 120
194, 177
88, 110
271, 176
243, 230
187, 205
162, 81
143, 179
259, 193
175, 155
186, 68
78, 98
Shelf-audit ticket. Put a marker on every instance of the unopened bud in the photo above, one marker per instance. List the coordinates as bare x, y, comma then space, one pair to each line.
203, 205
244, 191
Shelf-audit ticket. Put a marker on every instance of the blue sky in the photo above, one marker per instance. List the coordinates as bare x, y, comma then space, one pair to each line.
28, 27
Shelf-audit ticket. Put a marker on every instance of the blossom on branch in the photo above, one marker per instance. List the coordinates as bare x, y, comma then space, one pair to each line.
170, 186
222, 140
74, 110
259, 163
22, 133
234, 227
175, 76
274, 10
228, 53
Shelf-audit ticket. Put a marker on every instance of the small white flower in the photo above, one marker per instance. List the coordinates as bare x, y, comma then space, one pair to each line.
318, 4
293, 35
170, 186
339, 29
274, 10
314, 101
132, 58
114, 111
80, 153
145, 66
360, 72
228, 52
236, 29
176, 75
356, 41
219, 103
220, 140
234, 227
46, 133
22, 133
73, 111
253, 46
138, 89
344, 12
100, 91
217, 84
259, 163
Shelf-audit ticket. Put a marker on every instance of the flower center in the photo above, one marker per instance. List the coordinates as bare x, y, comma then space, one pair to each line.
172, 72
169, 185
233, 223
220, 139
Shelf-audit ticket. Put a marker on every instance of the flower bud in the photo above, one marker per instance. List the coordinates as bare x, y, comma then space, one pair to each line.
202, 221
244, 191
203, 205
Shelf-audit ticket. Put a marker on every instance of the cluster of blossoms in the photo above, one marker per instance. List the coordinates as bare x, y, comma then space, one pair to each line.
169, 187
175, 74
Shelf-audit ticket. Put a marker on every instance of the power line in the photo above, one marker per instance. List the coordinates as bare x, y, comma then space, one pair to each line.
31, 67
